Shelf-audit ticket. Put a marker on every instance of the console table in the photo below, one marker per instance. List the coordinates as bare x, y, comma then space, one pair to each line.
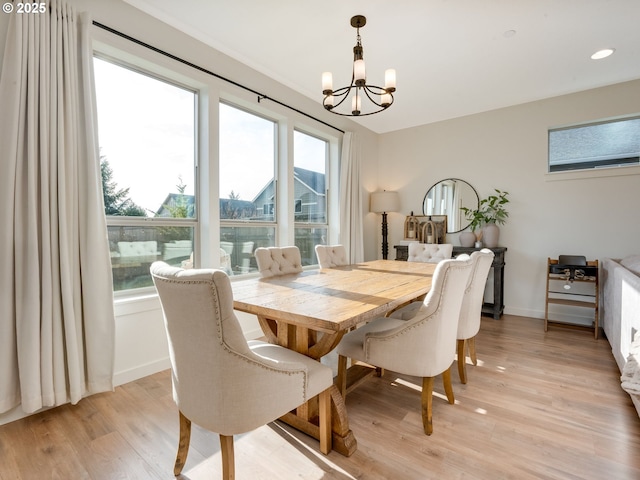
494, 309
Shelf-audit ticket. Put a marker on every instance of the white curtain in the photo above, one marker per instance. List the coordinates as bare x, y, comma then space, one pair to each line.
56, 308
351, 229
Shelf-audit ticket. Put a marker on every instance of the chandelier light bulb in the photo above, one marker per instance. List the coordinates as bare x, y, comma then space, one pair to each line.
359, 74
390, 80
356, 105
327, 82
329, 100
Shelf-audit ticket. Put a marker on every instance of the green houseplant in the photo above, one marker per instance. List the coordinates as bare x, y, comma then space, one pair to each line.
495, 213
484, 220
493, 208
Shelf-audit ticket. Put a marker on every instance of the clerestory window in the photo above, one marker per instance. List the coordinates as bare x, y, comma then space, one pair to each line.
606, 144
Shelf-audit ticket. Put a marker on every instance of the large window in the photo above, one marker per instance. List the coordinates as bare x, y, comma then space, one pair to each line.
310, 194
147, 133
604, 144
248, 188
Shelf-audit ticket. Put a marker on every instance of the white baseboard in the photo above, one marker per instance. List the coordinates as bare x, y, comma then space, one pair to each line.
584, 320
119, 378
16, 414
140, 371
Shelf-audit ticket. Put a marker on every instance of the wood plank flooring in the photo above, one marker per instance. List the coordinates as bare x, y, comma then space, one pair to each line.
538, 406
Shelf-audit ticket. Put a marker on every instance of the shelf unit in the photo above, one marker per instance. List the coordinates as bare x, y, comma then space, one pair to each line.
572, 274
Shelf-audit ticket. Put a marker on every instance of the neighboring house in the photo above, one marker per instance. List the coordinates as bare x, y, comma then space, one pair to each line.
175, 202
231, 208
309, 195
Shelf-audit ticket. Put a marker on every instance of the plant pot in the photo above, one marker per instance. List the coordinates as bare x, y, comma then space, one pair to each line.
467, 239
491, 235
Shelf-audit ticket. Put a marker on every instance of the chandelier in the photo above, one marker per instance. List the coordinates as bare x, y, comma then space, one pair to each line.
381, 97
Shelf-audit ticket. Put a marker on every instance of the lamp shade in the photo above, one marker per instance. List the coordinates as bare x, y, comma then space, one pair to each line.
381, 202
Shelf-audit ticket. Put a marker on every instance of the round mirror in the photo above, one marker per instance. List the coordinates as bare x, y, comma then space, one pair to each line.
446, 197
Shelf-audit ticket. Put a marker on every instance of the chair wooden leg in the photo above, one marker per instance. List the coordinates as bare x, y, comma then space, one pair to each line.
462, 361
472, 350
427, 404
341, 378
183, 444
228, 462
448, 389
324, 422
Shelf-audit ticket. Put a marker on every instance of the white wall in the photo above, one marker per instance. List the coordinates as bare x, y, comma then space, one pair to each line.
550, 214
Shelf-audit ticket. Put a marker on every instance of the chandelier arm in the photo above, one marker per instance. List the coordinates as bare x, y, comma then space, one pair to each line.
368, 92
341, 93
361, 115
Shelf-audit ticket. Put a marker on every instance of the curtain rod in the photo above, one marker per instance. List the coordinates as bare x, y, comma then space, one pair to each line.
261, 96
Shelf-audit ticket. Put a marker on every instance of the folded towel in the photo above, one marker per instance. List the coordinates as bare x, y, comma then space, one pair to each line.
631, 372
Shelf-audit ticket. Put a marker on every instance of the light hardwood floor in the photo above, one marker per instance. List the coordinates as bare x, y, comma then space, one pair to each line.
538, 406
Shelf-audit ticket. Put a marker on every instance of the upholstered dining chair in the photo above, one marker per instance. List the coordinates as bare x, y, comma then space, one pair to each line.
429, 252
470, 311
274, 261
423, 346
330, 256
220, 381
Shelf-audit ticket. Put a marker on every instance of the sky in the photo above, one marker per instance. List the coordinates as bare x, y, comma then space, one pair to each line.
147, 134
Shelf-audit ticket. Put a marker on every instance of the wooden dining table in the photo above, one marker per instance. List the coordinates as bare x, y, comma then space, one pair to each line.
309, 312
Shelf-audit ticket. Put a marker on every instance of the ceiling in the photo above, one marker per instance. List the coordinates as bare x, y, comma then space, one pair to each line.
452, 57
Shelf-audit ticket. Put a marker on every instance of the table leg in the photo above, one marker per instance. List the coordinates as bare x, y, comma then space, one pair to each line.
315, 345
342, 436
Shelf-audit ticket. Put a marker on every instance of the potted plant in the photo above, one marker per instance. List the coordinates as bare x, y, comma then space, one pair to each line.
495, 213
484, 220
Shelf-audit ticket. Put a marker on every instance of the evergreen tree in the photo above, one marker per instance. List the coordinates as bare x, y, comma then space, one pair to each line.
117, 201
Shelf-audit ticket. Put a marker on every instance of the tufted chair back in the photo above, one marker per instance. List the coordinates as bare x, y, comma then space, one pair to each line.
220, 381
330, 256
274, 261
429, 252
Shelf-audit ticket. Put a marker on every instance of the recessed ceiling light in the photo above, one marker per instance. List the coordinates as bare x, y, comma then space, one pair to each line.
602, 53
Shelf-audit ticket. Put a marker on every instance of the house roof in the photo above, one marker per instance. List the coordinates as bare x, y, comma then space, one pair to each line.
313, 180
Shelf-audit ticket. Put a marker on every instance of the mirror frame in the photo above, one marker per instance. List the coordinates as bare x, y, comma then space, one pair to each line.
424, 202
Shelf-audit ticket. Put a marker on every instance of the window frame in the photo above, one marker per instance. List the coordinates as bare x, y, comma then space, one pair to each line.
213, 91
160, 222
302, 225
603, 166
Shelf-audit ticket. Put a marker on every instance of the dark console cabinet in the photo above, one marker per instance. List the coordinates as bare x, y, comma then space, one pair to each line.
494, 309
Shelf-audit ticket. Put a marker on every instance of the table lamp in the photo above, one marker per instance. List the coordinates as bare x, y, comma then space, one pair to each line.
384, 202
